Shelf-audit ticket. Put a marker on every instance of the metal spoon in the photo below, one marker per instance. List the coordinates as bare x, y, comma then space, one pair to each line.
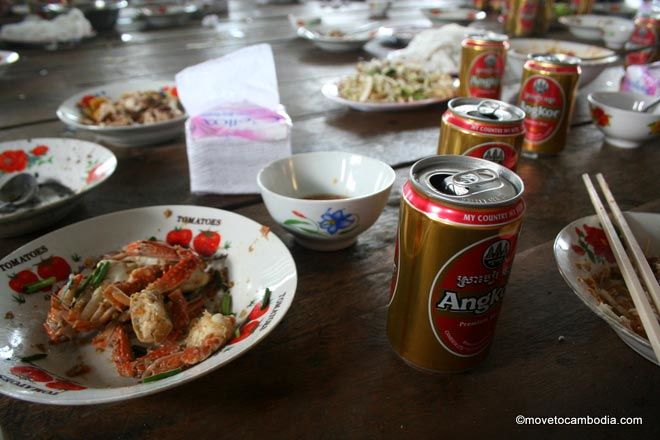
640, 108
17, 191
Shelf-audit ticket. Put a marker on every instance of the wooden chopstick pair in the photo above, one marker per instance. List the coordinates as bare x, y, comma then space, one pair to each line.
644, 309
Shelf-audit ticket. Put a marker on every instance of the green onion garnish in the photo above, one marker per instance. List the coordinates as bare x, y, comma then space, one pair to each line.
225, 307
100, 274
160, 376
34, 357
38, 285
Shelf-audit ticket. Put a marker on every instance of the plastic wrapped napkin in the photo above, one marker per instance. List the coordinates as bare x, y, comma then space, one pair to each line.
237, 125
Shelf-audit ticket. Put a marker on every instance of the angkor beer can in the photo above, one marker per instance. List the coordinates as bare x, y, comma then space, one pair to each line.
581, 6
646, 33
458, 227
520, 17
483, 57
547, 96
483, 128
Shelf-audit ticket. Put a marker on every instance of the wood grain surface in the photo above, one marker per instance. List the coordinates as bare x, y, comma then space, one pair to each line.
327, 370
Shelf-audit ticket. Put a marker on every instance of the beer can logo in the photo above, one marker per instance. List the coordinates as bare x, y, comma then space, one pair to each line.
484, 75
495, 254
542, 99
467, 292
498, 152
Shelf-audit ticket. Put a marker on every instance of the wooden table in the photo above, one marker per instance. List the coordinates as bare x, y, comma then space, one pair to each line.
327, 371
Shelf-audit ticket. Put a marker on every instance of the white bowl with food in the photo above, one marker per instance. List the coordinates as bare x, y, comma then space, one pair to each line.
162, 15
453, 15
326, 199
587, 264
127, 114
521, 48
340, 37
381, 85
7, 58
592, 27
64, 169
76, 331
616, 115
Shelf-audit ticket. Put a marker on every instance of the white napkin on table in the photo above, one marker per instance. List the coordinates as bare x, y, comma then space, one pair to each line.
236, 125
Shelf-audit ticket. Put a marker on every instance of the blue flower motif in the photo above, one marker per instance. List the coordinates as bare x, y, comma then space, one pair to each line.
336, 221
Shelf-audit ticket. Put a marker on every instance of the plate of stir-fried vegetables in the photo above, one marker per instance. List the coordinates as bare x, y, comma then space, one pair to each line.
138, 301
383, 85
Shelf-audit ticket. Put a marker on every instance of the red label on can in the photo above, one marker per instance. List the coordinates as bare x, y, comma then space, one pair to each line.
642, 36
493, 217
498, 152
466, 295
543, 101
482, 127
484, 75
527, 15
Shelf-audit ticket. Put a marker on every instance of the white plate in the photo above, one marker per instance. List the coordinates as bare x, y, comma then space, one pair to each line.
79, 165
573, 266
127, 136
256, 260
453, 15
331, 91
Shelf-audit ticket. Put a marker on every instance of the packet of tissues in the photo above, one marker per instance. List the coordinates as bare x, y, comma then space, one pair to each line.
642, 78
237, 125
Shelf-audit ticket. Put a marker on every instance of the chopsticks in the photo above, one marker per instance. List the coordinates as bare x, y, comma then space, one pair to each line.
646, 315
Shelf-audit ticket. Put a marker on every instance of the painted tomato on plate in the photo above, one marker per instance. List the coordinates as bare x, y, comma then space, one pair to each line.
206, 243
54, 267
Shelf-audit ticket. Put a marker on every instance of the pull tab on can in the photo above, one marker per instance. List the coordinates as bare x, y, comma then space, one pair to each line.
471, 182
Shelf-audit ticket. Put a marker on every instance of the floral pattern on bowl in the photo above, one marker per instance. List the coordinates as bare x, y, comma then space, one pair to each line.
581, 251
79, 165
260, 266
331, 223
600, 117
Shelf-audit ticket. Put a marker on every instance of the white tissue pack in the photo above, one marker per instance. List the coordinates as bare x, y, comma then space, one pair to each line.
237, 125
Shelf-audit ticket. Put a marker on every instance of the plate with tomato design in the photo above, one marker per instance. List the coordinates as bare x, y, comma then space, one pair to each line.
263, 284
586, 262
65, 170
124, 135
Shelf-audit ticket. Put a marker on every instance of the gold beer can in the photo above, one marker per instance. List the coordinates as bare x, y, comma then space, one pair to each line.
646, 33
459, 221
581, 6
547, 96
483, 128
520, 17
483, 57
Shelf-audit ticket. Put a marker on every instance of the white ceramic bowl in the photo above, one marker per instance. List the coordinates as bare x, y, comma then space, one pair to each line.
255, 259
128, 136
326, 225
167, 15
321, 36
453, 15
613, 114
79, 165
592, 27
522, 47
575, 264
7, 58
